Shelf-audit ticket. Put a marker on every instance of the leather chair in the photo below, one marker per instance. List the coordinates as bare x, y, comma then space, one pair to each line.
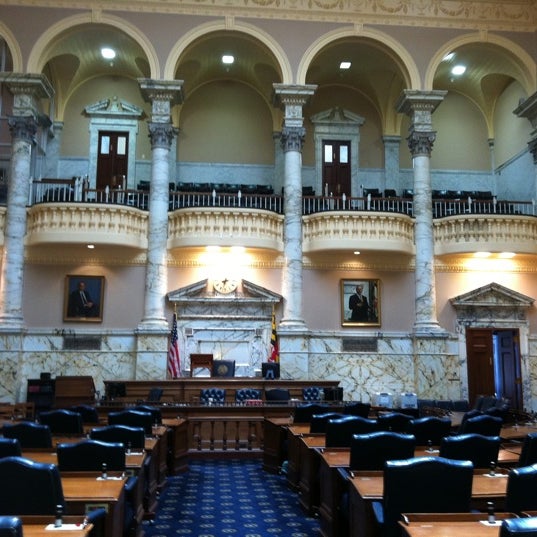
394, 421
528, 454
429, 429
128, 436
312, 393
9, 447
371, 451
155, 412
10, 526
29, 434
277, 395
29, 488
90, 455
318, 421
132, 418
223, 368
411, 486
62, 421
246, 394
357, 408
519, 527
155, 394
212, 396
305, 411
521, 493
340, 431
485, 424
89, 413
480, 449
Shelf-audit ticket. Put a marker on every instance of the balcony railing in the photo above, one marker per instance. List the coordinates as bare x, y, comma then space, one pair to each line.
67, 191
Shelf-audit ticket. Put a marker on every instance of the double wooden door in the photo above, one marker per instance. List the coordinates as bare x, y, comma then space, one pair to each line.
336, 168
112, 159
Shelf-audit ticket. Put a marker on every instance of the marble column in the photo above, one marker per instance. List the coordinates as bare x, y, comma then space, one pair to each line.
528, 109
27, 92
50, 169
419, 106
162, 95
391, 162
293, 98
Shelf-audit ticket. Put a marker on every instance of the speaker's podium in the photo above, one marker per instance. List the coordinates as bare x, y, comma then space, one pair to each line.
201, 361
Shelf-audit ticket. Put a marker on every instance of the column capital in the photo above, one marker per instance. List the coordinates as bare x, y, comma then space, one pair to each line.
528, 109
292, 98
22, 128
292, 138
162, 94
161, 134
421, 143
419, 106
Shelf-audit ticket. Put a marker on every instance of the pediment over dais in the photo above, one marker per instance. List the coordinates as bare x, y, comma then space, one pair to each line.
492, 295
114, 107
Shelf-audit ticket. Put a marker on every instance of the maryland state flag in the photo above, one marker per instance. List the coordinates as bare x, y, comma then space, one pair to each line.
274, 347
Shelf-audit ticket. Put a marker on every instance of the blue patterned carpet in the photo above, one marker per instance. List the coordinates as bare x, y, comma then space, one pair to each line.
229, 498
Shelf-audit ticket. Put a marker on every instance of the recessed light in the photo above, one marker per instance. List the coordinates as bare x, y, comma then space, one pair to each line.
228, 59
506, 255
108, 53
91, 246
356, 252
482, 254
458, 70
345, 65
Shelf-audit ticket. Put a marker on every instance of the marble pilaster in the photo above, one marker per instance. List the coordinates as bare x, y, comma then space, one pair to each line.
528, 109
391, 162
27, 91
50, 168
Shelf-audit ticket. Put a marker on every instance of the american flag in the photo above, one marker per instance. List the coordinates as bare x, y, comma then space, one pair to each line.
274, 347
174, 359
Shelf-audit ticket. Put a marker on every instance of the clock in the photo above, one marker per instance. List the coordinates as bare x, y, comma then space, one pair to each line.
225, 285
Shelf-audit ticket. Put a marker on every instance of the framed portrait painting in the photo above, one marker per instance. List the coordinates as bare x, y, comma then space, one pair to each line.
360, 302
83, 298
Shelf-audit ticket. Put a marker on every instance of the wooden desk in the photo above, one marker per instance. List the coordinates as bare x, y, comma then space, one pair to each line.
294, 434
517, 432
274, 434
451, 525
368, 486
35, 526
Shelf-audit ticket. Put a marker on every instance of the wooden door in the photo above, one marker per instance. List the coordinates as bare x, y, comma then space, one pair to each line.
112, 158
336, 168
507, 364
480, 362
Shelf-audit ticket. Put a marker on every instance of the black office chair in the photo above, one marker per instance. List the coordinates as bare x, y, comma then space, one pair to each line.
340, 431
223, 368
132, 418
29, 434
247, 394
357, 408
9, 447
155, 395
394, 421
277, 395
521, 492
528, 454
371, 451
89, 413
318, 421
62, 421
483, 424
126, 435
29, 488
519, 527
89, 455
212, 396
312, 393
305, 411
429, 429
155, 412
411, 486
10, 526
480, 449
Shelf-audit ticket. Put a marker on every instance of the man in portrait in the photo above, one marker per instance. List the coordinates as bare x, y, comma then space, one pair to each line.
359, 305
81, 304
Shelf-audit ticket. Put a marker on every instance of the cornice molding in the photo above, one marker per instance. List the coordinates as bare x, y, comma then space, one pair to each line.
499, 15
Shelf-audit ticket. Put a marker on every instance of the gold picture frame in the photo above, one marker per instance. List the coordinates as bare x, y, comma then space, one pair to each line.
360, 302
83, 298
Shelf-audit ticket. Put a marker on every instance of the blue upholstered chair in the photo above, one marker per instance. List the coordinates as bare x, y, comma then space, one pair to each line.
126, 435
521, 493
340, 431
10, 526
29, 434
483, 424
528, 455
305, 411
89, 413
357, 408
156, 414
480, 449
394, 421
519, 527
62, 421
429, 429
89, 455
411, 486
132, 418
29, 488
318, 421
277, 395
312, 393
214, 396
9, 447
245, 394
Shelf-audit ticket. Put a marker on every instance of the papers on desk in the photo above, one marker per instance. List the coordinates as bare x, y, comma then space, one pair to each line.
487, 523
495, 475
69, 527
135, 453
110, 478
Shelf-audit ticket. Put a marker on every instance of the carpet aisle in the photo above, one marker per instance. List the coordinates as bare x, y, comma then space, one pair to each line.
229, 498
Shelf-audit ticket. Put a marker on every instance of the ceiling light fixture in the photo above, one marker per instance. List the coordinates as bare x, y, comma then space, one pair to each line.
91, 246
458, 70
356, 252
345, 65
108, 53
506, 255
448, 57
482, 254
228, 59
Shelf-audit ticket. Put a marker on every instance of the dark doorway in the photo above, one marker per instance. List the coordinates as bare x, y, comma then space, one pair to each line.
112, 159
494, 364
336, 167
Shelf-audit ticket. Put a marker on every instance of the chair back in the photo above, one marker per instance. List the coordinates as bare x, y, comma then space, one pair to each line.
62, 421
480, 449
394, 421
312, 393
10, 526
357, 408
340, 431
223, 368
371, 451
124, 434
277, 395
29, 434
484, 424
132, 418
155, 412
424, 485
90, 455
29, 488
519, 527
521, 493
318, 421
305, 411
89, 413
9, 447
212, 396
429, 429
528, 454
246, 394
155, 394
